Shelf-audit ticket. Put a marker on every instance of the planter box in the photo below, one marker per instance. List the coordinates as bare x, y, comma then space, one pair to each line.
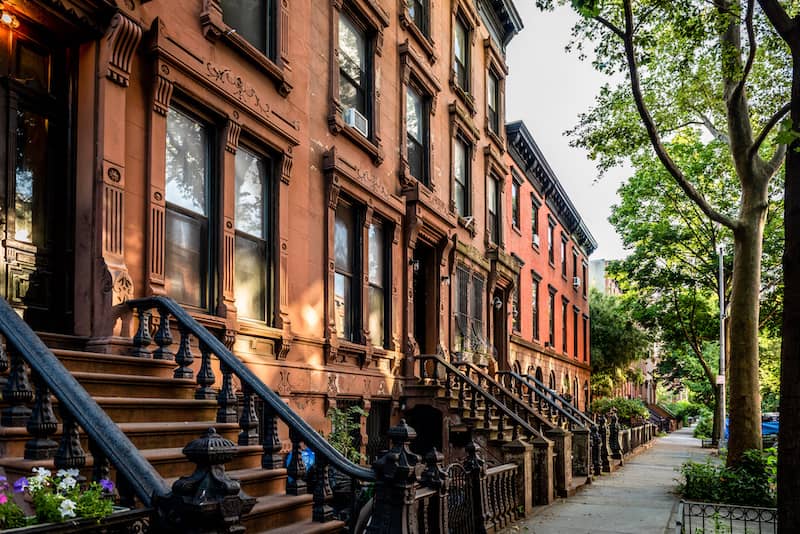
123, 520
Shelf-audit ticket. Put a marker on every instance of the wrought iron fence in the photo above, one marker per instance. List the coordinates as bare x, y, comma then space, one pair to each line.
460, 510
709, 518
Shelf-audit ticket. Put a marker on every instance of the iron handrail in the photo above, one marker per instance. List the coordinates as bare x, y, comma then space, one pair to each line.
438, 360
307, 433
565, 404
506, 393
121, 452
543, 396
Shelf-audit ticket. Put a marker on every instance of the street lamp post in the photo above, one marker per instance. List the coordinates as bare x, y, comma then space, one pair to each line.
721, 376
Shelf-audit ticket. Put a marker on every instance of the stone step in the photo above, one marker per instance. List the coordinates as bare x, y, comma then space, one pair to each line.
276, 511
308, 527
256, 481
142, 435
117, 385
94, 362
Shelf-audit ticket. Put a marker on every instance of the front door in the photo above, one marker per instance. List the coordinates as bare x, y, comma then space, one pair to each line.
426, 298
35, 181
500, 330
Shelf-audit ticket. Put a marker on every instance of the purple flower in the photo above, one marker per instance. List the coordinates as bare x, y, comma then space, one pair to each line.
21, 485
107, 485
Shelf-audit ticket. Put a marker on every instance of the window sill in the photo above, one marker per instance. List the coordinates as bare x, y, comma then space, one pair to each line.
252, 327
426, 43
337, 126
517, 230
536, 248
466, 98
494, 136
468, 226
214, 28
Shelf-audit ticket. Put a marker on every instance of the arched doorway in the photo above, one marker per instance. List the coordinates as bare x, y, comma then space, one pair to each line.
575, 396
552, 380
539, 375
428, 423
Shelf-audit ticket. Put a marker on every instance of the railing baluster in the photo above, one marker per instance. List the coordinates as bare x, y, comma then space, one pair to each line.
70, 454
487, 414
3, 362
248, 422
205, 376
473, 404
501, 426
17, 392
272, 458
41, 424
163, 337
226, 400
142, 338
101, 467
321, 487
184, 357
296, 470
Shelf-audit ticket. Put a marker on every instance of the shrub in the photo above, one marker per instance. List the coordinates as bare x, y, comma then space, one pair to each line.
682, 410
625, 408
704, 426
751, 483
344, 423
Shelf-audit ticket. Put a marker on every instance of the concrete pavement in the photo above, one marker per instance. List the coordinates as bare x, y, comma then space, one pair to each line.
637, 498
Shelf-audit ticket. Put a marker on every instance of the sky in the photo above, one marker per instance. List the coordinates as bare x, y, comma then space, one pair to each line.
548, 88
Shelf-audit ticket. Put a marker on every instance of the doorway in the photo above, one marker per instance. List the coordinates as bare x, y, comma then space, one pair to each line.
500, 330
36, 180
426, 298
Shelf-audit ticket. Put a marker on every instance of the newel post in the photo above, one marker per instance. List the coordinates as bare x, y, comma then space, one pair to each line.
207, 501
475, 466
435, 477
613, 437
396, 476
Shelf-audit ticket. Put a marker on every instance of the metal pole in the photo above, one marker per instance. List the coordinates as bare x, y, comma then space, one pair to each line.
721, 379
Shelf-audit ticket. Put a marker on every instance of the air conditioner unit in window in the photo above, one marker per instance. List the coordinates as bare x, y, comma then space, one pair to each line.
358, 121
576, 281
536, 239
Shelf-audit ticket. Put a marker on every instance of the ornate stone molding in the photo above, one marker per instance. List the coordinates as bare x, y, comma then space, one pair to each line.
123, 38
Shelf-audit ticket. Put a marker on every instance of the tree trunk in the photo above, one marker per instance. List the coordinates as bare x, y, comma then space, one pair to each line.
743, 383
789, 437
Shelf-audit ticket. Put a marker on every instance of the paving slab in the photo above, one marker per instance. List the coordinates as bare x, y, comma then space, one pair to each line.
638, 498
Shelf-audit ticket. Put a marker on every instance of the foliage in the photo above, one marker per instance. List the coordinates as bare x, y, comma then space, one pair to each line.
750, 483
769, 367
344, 423
11, 515
59, 497
625, 408
704, 427
617, 340
684, 409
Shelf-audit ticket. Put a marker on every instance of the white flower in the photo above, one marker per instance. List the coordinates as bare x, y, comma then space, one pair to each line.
67, 508
42, 472
71, 473
67, 483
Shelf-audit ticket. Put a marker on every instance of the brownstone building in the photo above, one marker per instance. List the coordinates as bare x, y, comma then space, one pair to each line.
329, 187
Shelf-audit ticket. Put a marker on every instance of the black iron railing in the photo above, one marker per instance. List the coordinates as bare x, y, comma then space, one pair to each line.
702, 517
560, 402
469, 393
107, 443
538, 400
273, 407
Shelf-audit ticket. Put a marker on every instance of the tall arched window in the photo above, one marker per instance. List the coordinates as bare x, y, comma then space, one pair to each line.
553, 380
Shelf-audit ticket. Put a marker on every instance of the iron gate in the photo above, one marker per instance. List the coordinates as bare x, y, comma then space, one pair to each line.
460, 509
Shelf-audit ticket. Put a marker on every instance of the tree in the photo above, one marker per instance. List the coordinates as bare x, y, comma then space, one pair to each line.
687, 68
672, 265
617, 340
784, 17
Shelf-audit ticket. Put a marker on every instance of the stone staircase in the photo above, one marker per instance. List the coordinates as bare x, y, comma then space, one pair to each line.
160, 415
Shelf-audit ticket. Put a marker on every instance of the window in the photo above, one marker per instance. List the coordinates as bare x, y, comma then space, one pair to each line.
584, 279
550, 244
515, 185
563, 256
461, 42
461, 177
476, 314
345, 280
552, 380
417, 134
535, 306
354, 66
534, 221
462, 309
378, 259
418, 10
575, 333
564, 306
551, 308
252, 231
469, 310
585, 339
254, 20
493, 205
187, 256
574, 264
493, 102
515, 310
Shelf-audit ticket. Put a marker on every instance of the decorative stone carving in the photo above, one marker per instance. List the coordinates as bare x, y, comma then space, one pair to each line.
121, 288
123, 38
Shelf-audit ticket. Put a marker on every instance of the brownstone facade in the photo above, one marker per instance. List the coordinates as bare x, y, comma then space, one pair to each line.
326, 185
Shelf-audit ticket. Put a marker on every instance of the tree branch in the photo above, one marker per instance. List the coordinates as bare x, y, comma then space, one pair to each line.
751, 54
652, 132
610, 25
784, 25
713, 130
771, 123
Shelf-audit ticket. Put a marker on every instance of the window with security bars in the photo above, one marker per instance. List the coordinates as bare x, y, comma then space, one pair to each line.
469, 310
378, 422
462, 309
515, 310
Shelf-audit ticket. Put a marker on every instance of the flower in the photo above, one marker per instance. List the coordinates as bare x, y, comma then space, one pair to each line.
67, 508
42, 472
107, 485
21, 485
67, 483
71, 473
3, 498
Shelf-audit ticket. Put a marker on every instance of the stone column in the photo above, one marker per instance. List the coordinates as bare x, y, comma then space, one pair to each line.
542, 471
562, 444
520, 452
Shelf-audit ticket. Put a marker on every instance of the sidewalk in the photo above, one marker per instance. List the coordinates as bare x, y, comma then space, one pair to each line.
635, 499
